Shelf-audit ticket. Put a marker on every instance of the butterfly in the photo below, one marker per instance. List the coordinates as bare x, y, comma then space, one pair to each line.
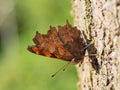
64, 43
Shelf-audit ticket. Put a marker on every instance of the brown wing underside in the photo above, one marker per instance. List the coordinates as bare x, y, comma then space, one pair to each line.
63, 44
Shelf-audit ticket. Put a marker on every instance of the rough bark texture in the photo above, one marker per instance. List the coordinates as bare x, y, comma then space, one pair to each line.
99, 21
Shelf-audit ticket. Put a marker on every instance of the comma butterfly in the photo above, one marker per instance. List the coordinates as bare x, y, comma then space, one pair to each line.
64, 43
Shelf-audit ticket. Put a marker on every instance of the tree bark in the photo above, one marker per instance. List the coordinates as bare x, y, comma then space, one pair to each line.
99, 22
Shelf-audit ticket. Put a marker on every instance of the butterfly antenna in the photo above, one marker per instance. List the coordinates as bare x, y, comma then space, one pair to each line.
61, 69
87, 45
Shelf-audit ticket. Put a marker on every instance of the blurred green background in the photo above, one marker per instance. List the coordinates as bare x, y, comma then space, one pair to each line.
20, 69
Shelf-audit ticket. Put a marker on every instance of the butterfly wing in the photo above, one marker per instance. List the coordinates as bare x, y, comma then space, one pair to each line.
50, 45
63, 44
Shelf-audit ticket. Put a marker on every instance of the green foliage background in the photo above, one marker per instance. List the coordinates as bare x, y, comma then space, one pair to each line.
22, 70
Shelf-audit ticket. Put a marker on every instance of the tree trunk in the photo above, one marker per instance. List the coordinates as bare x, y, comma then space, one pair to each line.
99, 22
